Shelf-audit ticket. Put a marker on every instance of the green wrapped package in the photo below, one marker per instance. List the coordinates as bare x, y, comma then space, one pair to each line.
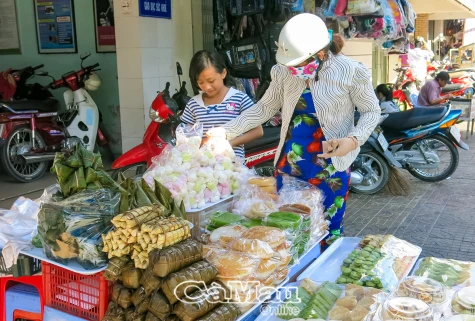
224, 312
122, 296
251, 222
114, 313
114, 269
159, 305
284, 220
225, 218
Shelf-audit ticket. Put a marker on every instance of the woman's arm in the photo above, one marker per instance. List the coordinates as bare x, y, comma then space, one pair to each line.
261, 112
247, 137
364, 98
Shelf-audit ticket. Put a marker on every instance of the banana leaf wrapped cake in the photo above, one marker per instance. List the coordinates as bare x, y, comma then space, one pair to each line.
121, 296
175, 257
200, 302
133, 315
224, 312
131, 276
149, 281
138, 298
114, 313
177, 284
114, 269
151, 317
159, 305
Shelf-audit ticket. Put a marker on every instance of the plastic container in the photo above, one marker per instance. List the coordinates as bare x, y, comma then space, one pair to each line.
22, 297
200, 217
85, 296
463, 301
25, 266
424, 289
56, 315
406, 309
460, 317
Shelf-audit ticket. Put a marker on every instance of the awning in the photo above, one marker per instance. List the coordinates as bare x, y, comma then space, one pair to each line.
445, 9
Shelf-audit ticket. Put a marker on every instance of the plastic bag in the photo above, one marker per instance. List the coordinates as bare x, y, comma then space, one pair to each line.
362, 7
254, 203
451, 273
73, 228
330, 11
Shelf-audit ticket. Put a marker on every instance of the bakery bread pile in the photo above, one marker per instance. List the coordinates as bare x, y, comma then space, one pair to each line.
259, 255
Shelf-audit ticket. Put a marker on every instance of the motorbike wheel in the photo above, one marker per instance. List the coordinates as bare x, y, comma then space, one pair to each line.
18, 143
375, 170
130, 171
440, 145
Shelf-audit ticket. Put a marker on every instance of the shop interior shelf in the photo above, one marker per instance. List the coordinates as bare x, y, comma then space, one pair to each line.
72, 265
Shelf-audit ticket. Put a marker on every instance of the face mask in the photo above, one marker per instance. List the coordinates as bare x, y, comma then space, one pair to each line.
307, 72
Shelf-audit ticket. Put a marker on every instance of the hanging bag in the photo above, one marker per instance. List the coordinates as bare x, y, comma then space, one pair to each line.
240, 8
275, 11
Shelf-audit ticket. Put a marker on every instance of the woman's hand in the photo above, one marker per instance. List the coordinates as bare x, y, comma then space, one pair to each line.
338, 147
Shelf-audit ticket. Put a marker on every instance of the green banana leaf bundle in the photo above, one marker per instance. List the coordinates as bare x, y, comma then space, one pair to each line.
114, 269
159, 305
149, 281
131, 276
80, 170
151, 317
121, 296
114, 313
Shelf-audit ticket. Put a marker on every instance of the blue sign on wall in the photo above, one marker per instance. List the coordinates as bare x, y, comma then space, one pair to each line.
155, 8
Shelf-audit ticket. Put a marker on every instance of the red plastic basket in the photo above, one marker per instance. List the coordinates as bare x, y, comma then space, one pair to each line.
86, 296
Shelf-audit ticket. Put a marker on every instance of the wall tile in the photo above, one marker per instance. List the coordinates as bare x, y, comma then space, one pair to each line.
133, 122
166, 33
150, 62
130, 142
151, 87
127, 31
129, 63
131, 94
148, 32
167, 62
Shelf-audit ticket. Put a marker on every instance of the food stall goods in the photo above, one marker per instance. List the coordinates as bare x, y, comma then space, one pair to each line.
451, 273
463, 301
424, 289
406, 309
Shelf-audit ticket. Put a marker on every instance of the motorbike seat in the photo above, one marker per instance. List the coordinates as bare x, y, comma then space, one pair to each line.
271, 136
414, 117
452, 87
49, 105
458, 73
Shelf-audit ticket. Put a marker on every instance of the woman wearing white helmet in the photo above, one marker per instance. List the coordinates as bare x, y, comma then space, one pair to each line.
317, 89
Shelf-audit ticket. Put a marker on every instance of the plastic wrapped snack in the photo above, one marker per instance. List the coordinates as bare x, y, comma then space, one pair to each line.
362, 7
175, 257
114, 313
231, 231
231, 264
254, 203
406, 309
220, 219
463, 301
252, 247
73, 227
224, 312
424, 289
159, 305
450, 273
265, 184
200, 302
460, 317
121, 296
275, 237
175, 286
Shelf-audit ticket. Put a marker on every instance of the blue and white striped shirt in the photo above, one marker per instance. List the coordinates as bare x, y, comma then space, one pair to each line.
234, 103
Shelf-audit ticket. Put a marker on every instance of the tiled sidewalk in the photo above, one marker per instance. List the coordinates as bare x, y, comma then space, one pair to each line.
439, 217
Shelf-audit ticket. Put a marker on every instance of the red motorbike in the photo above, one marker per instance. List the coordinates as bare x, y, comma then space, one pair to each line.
165, 112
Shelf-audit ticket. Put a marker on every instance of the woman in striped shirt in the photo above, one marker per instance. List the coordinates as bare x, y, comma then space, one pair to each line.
217, 103
318, 89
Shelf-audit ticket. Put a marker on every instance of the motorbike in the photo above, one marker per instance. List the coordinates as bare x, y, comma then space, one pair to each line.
32, 131
423, 141
164, 113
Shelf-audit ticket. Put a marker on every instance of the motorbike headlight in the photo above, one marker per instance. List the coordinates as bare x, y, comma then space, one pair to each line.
154, 116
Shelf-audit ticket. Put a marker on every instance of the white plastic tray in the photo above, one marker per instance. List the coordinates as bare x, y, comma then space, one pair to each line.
255, 307
327, 266
269, 312
73, 265
208, 205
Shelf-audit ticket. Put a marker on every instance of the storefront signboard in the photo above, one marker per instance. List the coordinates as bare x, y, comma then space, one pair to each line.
155, 8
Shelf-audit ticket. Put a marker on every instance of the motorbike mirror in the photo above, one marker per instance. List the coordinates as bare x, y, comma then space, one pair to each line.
179, 71
85, 55
42, 73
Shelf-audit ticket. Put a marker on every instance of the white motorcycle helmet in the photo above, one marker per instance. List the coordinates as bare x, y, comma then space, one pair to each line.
301, 37
93, 82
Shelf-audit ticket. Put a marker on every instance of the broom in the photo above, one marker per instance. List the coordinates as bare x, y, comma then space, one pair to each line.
398, 184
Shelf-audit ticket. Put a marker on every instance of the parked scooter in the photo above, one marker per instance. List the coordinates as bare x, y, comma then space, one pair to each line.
31, 132
165, 112
423, 141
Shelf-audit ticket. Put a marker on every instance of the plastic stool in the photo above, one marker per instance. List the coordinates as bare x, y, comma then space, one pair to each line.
30, 316
51, 314
7, 282
22, 297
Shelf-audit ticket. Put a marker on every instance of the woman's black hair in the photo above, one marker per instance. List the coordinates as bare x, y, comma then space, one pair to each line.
204, 59
386, 91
